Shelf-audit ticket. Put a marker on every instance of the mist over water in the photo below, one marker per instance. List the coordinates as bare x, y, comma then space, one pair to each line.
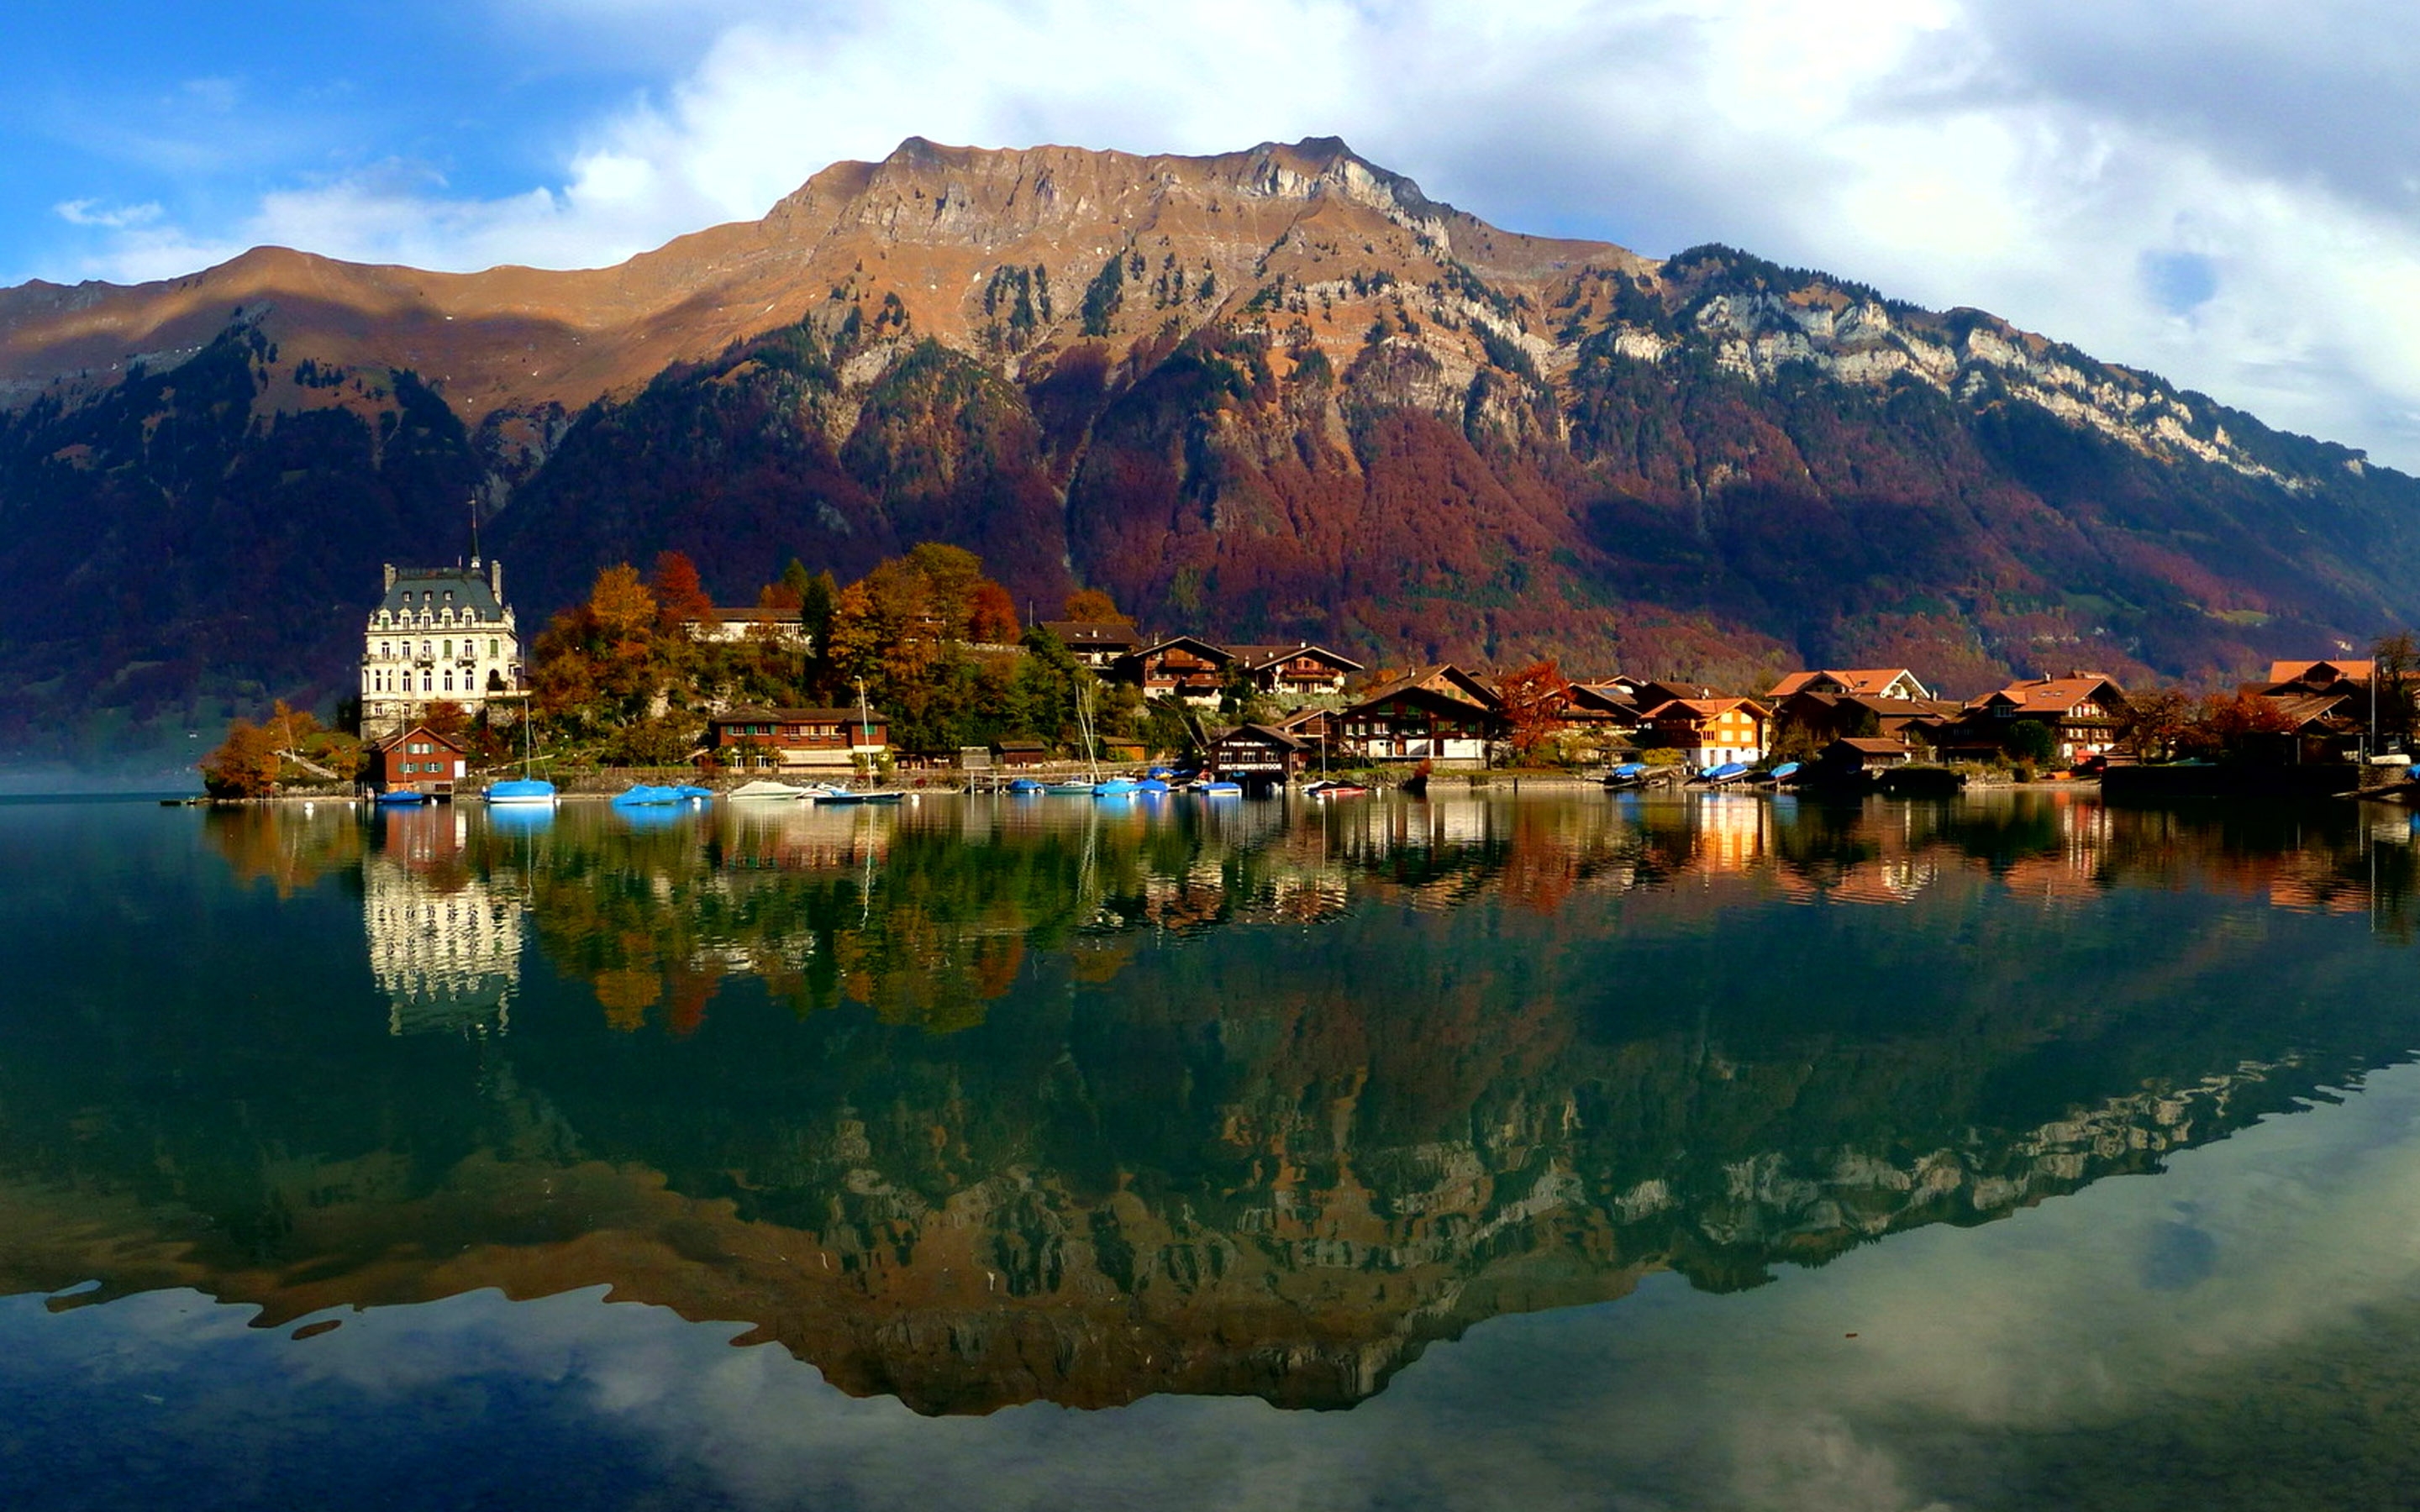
1719, 1151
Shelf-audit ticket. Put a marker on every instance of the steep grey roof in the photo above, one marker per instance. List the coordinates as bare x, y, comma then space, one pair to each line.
418, 588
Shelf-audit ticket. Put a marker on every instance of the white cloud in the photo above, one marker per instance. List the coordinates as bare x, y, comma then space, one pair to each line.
2041, 163
115, 218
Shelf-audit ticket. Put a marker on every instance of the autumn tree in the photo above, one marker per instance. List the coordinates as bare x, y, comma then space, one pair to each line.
1092, 606
244, 765
1533, 698
2154, 722
991, 617
680, 596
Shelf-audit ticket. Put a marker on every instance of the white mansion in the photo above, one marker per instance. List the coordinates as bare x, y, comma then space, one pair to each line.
441, 635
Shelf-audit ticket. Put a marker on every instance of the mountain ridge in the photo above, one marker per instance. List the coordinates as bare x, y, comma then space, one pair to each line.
1273, 392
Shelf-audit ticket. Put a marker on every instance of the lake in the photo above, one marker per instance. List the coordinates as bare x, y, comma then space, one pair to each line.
1515, 1150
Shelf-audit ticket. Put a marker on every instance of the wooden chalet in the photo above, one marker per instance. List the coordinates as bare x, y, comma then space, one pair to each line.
1871, 682
756, 736
1020, 750
1822, 717
1096, 643
1711, 732
1184, 667
1854, 754
1438, 712
419, 760
1247, 753
2085, 711
1301, 670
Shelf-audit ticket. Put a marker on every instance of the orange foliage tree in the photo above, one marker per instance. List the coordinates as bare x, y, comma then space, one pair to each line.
1534, 697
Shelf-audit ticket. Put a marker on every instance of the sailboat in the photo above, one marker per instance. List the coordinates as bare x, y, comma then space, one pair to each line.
1083, 732
524, 789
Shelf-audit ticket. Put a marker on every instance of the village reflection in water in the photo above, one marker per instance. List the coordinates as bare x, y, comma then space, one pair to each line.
980, 1101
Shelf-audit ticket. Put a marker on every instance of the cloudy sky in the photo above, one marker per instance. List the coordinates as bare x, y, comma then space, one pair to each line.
2226, 192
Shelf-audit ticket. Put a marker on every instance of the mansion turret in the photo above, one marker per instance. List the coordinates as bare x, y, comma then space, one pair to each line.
440, 635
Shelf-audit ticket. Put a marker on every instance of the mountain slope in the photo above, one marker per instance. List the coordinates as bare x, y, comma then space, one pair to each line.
1266, 394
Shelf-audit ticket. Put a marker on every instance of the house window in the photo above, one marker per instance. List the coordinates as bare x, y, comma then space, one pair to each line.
427, 682
449, 651
491, 649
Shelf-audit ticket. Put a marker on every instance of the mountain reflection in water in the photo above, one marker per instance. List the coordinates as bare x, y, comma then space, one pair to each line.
987, 1100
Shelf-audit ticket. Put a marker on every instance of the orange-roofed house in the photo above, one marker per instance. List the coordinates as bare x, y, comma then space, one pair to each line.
2085, 712
1710, 731
1870, 682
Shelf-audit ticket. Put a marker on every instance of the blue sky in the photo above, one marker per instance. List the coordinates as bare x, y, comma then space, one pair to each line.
2226, 192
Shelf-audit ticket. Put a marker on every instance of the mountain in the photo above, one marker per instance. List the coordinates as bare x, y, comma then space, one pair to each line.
1267, 393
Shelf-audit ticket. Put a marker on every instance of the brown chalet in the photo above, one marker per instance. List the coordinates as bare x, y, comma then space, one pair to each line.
756, 736
1096, 643
1184, 667
1827, 716
419, 760
1438, 712
1250, 751
1298, 671
2085, 712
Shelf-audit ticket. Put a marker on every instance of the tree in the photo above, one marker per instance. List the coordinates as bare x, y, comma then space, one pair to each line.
2154, 722
992, 617
2031, 740
1090, 605
1534, 697
244, 765
680, 594
622, 606
2395, 682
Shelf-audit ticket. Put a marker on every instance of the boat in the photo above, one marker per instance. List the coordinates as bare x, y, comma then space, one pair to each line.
1069, 790
1153, 787
1024, 785
1627, 775
1219, 788
764, 788
843, 795
646, 795
1334, 788
690, 791
1726, 772
524, 789
1783, 773
1119, 787
400, 797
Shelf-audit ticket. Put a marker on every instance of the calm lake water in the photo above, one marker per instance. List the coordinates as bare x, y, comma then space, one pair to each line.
1539, 1150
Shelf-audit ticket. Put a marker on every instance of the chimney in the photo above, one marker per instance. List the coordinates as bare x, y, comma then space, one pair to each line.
496, 579
389, 568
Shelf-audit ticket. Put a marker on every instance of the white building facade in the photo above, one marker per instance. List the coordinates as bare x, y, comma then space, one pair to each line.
440, 635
